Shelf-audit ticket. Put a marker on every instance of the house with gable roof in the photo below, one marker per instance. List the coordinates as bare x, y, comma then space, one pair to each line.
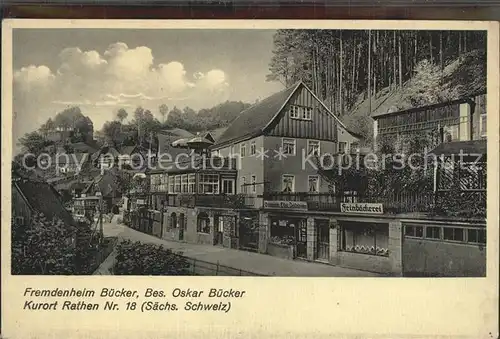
278, 138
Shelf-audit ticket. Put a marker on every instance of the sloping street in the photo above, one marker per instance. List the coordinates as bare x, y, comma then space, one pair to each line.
248, 261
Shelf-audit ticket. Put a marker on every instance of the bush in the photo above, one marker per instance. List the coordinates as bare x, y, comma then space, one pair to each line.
50, 247
135, 258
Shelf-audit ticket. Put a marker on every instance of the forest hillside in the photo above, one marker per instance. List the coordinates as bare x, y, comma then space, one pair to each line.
464, 76
358, 71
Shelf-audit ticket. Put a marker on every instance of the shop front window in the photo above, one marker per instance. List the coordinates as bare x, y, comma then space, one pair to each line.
283, 231
203, 225
365, 238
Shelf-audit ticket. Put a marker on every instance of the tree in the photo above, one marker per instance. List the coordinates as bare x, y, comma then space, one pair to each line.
112, 131
321, 59
33, 143
45, 247
163, 112
121, 115
175, 117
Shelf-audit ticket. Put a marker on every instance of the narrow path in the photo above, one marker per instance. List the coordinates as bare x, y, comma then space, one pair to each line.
253, 262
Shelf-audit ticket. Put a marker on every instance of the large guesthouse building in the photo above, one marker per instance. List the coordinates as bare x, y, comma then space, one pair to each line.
257, 188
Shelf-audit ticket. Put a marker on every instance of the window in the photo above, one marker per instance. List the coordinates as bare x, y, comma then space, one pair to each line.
288, 183
228, 186
209, 184
283, 230
184, 181
253, 182
177, 184
365, 238
243, 150
171, 184
476, 236
313, 184
307, 113
243, 185
342, 147
313, 147
191, 183
163, 182
482, 125
289, 146
432, 232
294, 112
233, 150
253, 148
414, 231
453, 233
20, 221
203, 224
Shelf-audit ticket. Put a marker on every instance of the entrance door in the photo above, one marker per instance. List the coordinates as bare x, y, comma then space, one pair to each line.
228, 186
219, 229
182, 226
323, 240
301, 238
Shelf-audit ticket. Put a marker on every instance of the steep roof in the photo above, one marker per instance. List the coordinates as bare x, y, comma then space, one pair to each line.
178, 132
84, 147
127, 150
217, 133
43, 198
107, 184
74, 158
253, 120
165, 145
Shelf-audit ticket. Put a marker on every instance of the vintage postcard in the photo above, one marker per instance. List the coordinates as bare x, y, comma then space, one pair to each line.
249, 179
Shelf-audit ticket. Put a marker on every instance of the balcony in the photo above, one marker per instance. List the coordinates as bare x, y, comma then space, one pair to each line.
233, 201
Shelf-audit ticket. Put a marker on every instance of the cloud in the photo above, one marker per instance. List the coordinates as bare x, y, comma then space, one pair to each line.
33, 77
118, 77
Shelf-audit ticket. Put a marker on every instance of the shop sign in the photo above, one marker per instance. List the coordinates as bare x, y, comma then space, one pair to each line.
141, 202
289, 205
356, 207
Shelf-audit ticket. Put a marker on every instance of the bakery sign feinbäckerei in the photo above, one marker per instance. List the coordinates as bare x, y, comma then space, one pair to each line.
359, 207
288, 205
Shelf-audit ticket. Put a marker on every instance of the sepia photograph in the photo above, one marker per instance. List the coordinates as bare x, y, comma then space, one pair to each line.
289, 152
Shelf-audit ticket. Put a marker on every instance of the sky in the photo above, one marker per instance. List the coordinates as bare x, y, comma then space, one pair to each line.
104, 70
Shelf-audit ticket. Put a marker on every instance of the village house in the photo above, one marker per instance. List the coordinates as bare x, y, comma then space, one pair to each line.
109, 188
30, 197
260, 197
458, 120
